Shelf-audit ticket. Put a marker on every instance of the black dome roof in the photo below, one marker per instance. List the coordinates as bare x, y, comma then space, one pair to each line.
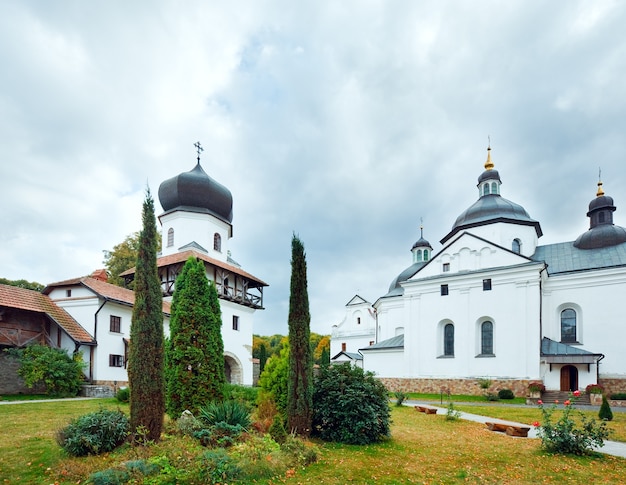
602, 232
420, 243
489, 209
489, 175
395, 289
197, 192
601, 236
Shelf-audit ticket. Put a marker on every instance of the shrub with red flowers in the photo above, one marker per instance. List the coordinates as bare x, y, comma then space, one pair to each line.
536, 386
566, 435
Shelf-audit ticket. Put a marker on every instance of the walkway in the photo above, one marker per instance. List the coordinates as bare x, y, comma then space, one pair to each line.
614, 448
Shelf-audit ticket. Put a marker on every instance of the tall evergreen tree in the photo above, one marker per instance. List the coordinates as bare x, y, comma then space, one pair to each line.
145, 359
195, 351
300, 385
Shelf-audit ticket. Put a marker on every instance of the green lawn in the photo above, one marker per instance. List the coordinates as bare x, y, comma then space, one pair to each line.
423, 449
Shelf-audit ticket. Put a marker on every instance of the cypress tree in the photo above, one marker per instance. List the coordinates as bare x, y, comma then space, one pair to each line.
262, 357
145, 359
300, 384
195, 350
605, 413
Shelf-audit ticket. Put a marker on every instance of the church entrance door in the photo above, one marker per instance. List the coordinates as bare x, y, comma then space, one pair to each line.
569, 378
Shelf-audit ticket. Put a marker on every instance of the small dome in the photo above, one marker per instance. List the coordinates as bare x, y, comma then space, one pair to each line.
602, 232
197, 192
602, 202
421, 243
489, 175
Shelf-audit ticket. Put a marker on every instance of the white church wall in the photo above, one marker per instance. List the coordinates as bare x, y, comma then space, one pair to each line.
238, 342
388, 364
512, 306
194, 226
357, 329
595, 297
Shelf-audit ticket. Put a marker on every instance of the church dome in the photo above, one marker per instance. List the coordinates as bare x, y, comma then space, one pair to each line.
602, 232
195, 191
491, 207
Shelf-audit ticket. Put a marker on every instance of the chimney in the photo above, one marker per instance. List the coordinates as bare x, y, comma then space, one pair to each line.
100, 275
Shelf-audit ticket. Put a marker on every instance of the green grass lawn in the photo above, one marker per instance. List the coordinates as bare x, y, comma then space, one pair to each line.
423, 449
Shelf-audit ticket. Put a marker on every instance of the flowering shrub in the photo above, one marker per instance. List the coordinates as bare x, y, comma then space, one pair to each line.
594, 389
565, 435
536, 386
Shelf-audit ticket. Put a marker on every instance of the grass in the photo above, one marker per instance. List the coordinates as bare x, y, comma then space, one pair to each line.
423, 449
444, 398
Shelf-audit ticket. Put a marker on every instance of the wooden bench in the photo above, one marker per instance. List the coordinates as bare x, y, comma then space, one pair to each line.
509, 429
426, 409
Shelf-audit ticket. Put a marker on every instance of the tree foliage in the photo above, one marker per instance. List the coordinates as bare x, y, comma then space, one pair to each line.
145, 360
275, 377
350, 406
122, 257
27, 285
300, 384
322, 350
195, 350
60, 373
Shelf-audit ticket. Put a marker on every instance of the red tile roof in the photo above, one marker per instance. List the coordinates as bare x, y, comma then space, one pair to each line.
185, 255
104, 290
33, 301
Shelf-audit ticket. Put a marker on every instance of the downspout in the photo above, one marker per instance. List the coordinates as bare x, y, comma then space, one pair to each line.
598, 368
95, 337
545, 267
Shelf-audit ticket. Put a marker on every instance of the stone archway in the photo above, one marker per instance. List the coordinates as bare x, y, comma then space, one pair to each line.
233, 369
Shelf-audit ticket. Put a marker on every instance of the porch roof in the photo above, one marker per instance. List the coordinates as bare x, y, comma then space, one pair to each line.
559, 353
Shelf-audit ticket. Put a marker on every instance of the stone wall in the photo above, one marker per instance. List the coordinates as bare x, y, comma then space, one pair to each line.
455, 386
611, 386
10, 382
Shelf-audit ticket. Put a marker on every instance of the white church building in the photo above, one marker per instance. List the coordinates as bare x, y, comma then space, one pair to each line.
494, 304
89, 315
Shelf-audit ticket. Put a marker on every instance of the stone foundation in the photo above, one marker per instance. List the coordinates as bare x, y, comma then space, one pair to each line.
456, 386
102, 388
612, 386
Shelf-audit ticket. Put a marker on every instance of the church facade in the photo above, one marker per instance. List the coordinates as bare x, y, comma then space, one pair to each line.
495, 305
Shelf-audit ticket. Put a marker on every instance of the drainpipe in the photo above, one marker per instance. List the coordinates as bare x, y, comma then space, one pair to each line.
598, 368
95, 337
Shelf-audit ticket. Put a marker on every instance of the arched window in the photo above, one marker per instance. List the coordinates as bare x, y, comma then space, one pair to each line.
494, 188
448, 340
418, 255
486, 338
486, 189
516, 247
170, 237
425, 254
217, 242
568, 325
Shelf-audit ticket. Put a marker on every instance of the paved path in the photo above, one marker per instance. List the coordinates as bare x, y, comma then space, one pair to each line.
610, 447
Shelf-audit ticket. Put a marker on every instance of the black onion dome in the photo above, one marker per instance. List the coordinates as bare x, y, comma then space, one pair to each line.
602, 232
395, 289
197, 192
489, 175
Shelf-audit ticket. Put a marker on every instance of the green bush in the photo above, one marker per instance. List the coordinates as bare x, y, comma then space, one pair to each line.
605, 413
491, 396
350, 406
243, 394
277, 429
220, 434
110, 476
94, 433
506, 394
568, 436
400, 397
218, 467
619, 396
234, 413
452, 414
60, 373
123, 394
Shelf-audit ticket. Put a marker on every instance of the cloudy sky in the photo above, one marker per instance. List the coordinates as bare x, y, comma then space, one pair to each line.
344, 122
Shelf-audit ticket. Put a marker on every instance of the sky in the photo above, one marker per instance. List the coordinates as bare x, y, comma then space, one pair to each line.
347, 123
